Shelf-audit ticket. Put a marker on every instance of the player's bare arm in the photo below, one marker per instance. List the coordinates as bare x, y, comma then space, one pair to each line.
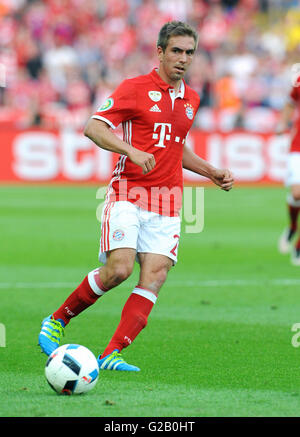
100, 133
221, 177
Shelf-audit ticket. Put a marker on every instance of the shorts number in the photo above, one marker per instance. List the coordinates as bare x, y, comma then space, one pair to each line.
173, 251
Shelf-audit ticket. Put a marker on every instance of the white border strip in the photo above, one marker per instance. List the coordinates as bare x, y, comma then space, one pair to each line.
145, 293
98, 117
93, 284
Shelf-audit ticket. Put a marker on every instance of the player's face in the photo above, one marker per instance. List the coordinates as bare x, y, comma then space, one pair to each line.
176, 59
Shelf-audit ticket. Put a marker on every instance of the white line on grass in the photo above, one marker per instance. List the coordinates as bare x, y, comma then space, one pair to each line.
205, 283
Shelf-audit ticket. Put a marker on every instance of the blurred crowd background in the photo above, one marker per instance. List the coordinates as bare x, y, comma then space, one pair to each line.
60, 59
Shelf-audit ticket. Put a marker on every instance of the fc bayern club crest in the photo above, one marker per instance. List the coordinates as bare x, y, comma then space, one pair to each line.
118, 235
189, 111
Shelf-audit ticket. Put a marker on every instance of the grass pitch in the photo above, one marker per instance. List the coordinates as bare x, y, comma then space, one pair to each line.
218, 341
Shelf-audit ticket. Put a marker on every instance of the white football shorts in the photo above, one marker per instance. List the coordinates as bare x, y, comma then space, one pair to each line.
293, 169
124, 224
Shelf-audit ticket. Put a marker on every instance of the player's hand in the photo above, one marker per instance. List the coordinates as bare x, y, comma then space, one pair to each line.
143, 159
223, 178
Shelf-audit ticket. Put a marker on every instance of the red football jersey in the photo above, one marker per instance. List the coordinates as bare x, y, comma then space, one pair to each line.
295, 143
157, 122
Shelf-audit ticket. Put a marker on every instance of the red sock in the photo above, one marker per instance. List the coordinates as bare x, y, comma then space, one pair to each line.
90, 289
133, 319
293, 215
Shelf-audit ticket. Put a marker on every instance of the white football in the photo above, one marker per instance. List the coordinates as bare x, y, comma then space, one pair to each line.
72, 369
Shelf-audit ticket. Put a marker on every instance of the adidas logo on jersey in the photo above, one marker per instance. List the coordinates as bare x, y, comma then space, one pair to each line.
155, 108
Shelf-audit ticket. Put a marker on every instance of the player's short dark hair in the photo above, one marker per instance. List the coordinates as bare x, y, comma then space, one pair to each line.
175, 28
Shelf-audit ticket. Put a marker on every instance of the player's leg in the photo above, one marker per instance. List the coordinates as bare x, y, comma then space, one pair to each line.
157, 252
118, 267
134, 316
294, 214
288, 234
154, 271
117, 251
293, 203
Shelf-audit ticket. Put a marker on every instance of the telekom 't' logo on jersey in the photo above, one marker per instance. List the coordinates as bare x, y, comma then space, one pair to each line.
162, 133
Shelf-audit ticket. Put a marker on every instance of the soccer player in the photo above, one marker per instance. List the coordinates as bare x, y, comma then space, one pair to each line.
141, 214
286, 244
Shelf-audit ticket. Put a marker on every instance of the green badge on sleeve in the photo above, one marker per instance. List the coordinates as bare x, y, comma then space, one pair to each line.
106, 105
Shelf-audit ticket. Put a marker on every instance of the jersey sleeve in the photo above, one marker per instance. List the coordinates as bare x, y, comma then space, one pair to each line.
119, 107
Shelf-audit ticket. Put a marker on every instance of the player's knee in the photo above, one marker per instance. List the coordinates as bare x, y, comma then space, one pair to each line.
161, 276
120, 273
157, 279
296, 192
